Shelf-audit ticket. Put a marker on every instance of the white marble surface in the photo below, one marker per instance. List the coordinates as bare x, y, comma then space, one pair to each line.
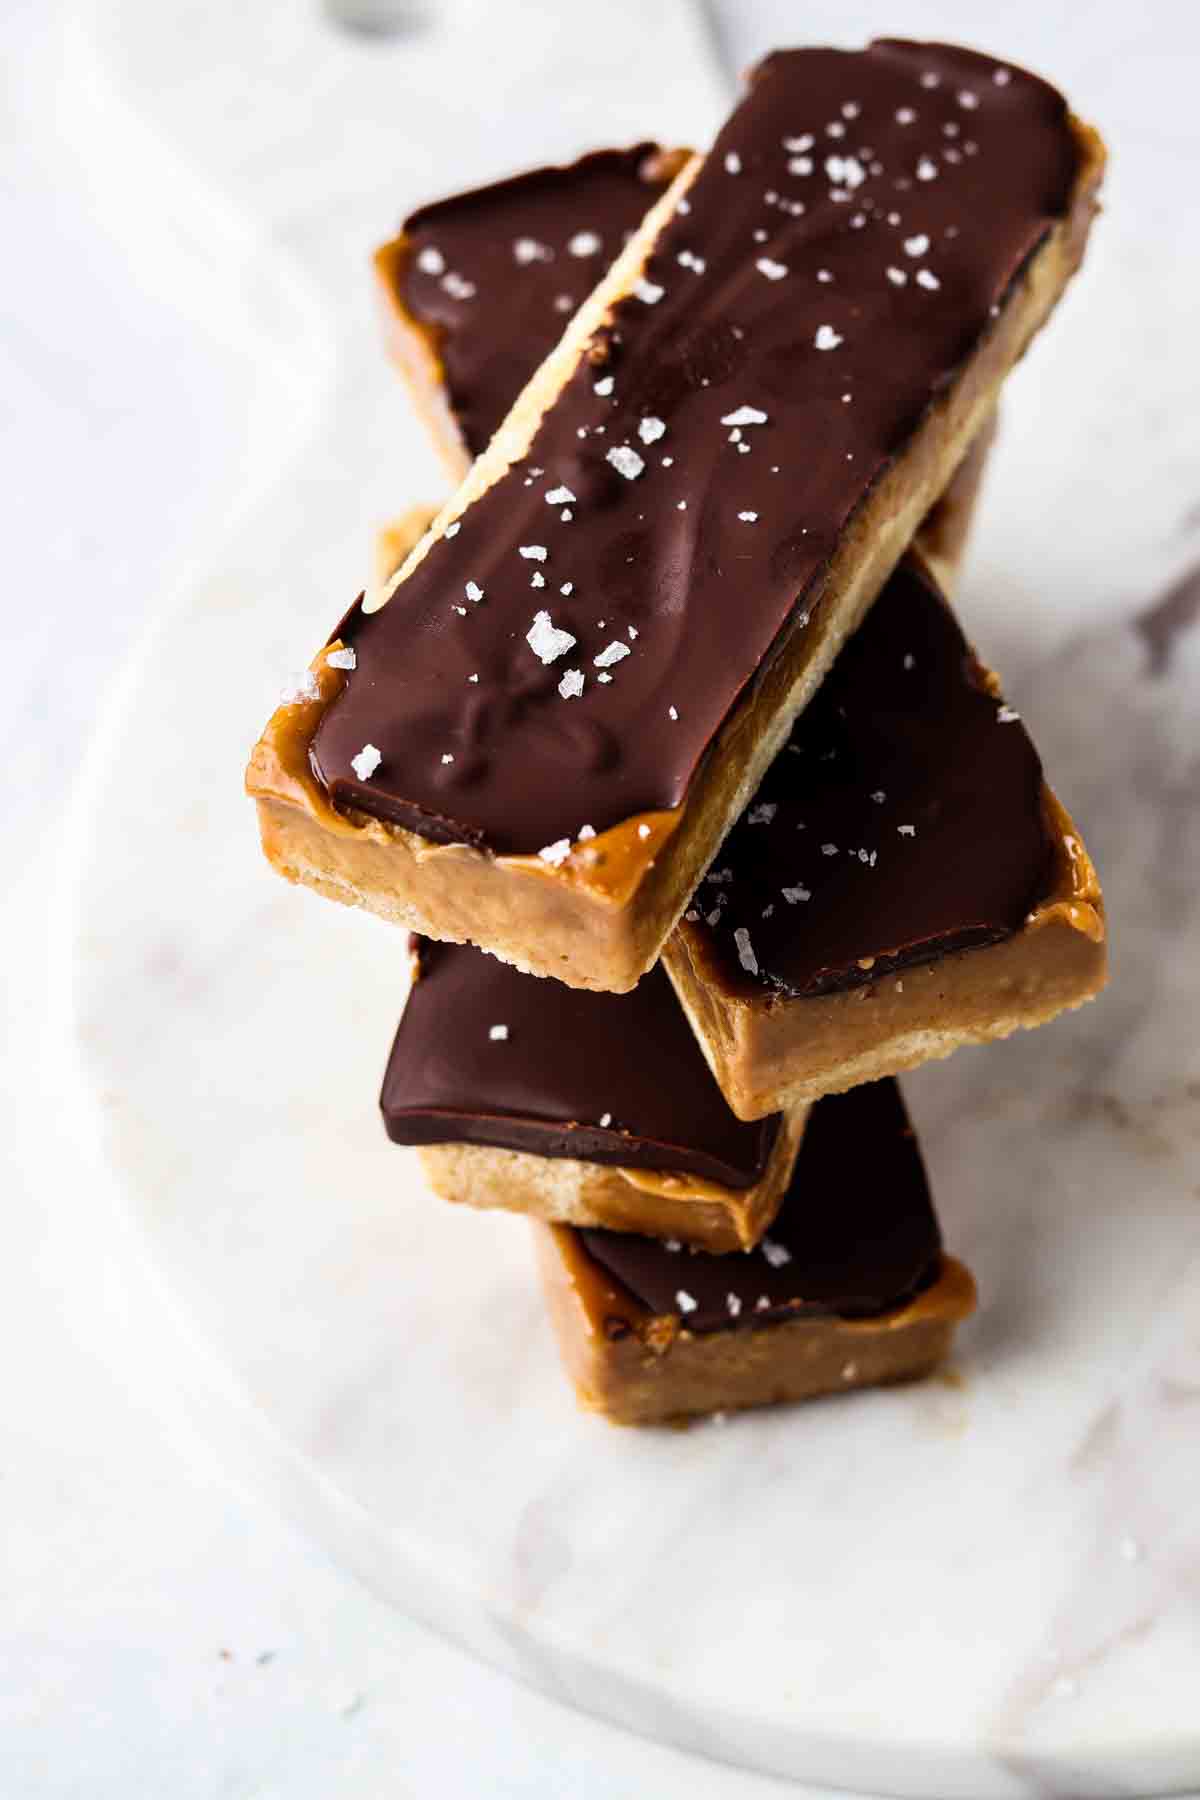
1014, 1609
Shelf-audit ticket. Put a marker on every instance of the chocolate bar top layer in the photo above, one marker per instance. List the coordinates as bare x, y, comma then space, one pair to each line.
495, 273
487, 1055
856, 1234
838, 257
902, 820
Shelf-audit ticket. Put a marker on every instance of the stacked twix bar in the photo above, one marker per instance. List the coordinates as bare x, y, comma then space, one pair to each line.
666, 712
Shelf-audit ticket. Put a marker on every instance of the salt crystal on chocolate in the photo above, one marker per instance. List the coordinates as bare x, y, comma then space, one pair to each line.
546, 640
746, 956
612, 653
571, 685
625, 461
827, 338
584, 243
556, 853
651, 429
366, 762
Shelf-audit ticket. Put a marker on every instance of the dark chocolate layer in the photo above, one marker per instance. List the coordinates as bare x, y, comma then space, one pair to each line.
902, 820
607, 1078
495, 273
865, 263
856, 1234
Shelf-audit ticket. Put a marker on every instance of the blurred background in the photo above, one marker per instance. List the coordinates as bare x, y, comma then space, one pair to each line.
190, 195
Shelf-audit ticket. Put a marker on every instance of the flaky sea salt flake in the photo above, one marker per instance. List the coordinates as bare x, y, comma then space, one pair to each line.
746, 956
776, 1254
625, 461
571, 685
584, 243
559, 496
366, 762
774, 271
827, 338
431, 261
498, 1033
546, 640
845, 171
556, 853
648, 292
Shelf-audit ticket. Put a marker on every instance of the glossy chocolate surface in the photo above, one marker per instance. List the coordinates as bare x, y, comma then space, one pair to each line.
607, 1078
902, 820
865, 263
856, 1234
495, 273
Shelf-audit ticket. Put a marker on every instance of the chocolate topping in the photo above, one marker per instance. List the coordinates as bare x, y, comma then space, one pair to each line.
857, 222
561, 1061
856, 1234
495, 273
902, 820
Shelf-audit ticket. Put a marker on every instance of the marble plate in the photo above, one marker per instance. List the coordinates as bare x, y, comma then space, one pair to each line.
988, 1585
